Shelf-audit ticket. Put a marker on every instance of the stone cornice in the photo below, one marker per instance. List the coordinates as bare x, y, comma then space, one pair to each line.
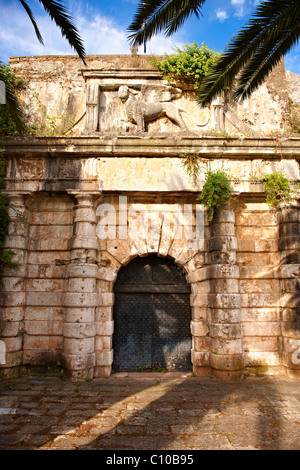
150, 146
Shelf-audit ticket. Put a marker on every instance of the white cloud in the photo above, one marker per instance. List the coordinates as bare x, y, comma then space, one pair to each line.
100, 34
221, 15
240, 7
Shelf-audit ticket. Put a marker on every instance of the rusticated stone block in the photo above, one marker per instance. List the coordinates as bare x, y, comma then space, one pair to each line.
260, 300
44, 327
222, 243
199, 328
81, 346
104, 328
80, 314
82, 285
108, 299
200, 358
103, 343
78, 361
222, 271
224, 285
224, 215
85, 241
12, 359
79, 330
103, 314
226, 331
261, 343
223, 229
102, 371
104, 358
226, 346
223, 257
269, 314
52, 299
202, 343
290, 300
262, 358
231, 362
289, 243
84, 299
10, 328
199, 314
289, 271
13, 343
46, 342
16, 299
82, 270
224, 301
222, 315
261, 329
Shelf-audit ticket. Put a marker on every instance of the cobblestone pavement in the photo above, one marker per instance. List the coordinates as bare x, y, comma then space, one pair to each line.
150, 412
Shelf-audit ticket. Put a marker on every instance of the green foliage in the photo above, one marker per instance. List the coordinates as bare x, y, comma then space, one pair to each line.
11, 122
277, 187
189, 64
216, 191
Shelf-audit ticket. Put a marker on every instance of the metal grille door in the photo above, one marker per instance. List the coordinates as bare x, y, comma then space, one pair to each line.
152, 316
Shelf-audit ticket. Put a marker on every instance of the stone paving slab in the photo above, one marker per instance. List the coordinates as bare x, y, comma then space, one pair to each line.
150, 412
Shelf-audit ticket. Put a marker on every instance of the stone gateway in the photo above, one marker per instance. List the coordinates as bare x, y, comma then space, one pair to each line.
119, 266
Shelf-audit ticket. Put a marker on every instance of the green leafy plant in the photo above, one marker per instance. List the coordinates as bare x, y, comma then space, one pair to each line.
11, 118
277, 187
189, 64
216, 191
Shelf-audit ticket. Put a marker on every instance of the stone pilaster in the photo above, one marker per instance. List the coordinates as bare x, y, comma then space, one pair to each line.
288, 218
13, 298
226, 357
81, 298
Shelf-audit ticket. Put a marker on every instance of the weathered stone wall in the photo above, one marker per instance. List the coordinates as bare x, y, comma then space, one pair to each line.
62, 95
57, 305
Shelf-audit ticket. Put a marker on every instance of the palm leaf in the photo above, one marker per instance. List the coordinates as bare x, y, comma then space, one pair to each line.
264, 61
153, 16
261, 34
60, 15
30, 14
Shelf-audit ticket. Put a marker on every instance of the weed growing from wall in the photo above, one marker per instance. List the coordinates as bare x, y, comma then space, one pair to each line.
278, 189
216, 191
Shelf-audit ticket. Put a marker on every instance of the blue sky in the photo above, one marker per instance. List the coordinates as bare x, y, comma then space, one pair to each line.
103, 25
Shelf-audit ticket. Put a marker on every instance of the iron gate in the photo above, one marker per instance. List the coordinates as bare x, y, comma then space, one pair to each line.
152, 316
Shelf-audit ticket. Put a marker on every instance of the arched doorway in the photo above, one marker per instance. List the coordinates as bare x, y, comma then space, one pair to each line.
152, 316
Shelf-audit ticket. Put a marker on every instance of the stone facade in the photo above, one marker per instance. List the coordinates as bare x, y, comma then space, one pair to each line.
57, 305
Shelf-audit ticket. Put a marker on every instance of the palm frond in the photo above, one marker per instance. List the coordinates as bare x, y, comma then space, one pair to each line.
30, 14
272, 17
264, 61
153, 16
60, 15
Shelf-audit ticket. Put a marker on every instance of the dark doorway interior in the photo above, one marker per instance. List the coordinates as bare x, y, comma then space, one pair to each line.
152, 317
